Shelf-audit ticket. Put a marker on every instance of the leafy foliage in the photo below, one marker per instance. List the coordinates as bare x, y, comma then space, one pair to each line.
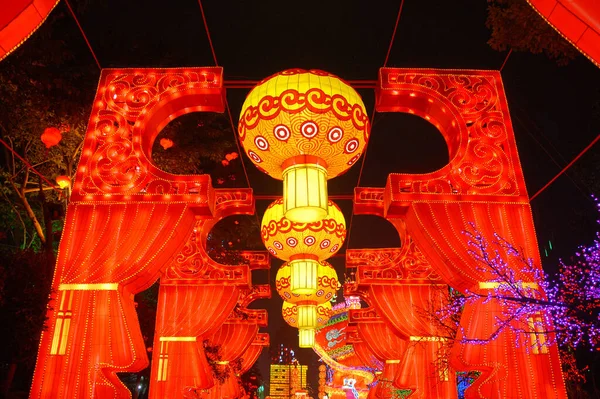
514, 24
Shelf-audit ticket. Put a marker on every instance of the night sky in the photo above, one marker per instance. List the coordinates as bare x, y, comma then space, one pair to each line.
555, 110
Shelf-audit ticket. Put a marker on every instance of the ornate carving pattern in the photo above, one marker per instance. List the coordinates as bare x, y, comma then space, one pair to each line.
390, 266
251, 294
193, 263
470, 112
113, 160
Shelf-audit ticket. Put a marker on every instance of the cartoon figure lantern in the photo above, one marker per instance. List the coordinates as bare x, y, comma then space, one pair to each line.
304, 127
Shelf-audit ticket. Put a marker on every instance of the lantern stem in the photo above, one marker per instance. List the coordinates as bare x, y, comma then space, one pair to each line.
304, 276
305, 192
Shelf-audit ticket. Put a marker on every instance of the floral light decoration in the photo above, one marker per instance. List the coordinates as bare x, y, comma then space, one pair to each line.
308, 305
51, 136
304, 127
302, 244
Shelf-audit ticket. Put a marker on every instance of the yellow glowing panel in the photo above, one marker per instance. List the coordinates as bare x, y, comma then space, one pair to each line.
304, 276
305, 193
89, 287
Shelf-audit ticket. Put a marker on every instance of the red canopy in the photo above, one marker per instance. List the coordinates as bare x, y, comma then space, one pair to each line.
19, 19
576, 20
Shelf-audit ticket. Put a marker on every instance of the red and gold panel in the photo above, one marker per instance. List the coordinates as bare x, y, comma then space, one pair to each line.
303, 113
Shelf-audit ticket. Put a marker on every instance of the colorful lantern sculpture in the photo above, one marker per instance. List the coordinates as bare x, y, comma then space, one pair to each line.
304, 127
303, 244
307, 305
51, 137
289, 311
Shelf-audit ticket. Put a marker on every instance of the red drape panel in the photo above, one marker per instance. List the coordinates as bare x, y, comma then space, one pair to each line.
109, 253
507, 371
402, 305
184, 313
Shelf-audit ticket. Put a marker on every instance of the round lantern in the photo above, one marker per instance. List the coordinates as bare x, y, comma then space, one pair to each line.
304, 127
63, 181
327, 285
306, 338
303, 244
51, 137
289, 312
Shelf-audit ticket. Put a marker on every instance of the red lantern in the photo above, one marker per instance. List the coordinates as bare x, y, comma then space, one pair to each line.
166, 143
51, 137
63, 181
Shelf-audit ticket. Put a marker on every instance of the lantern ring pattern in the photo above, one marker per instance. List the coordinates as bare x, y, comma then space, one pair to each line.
284, 238
327, 285
289, 312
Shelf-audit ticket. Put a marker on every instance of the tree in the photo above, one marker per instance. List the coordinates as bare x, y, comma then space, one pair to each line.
564, 309
515, 25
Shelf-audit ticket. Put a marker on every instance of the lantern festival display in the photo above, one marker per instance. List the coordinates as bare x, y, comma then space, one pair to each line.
51, 137
304, 127
311, 310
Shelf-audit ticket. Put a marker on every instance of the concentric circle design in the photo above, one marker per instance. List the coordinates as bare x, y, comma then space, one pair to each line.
301, 112
354, 159
327, 284
290, 238
261, 143
282, 133
309, 129
272, 251
351, 146
334, 248
335, 135
254, 156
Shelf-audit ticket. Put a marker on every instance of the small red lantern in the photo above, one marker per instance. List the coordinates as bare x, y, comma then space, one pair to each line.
166, 143
51, 137
63, 181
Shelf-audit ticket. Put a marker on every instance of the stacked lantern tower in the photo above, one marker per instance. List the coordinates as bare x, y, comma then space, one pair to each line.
304, 127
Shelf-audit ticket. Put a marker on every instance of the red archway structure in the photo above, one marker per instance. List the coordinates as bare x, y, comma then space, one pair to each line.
126, 222
482, 184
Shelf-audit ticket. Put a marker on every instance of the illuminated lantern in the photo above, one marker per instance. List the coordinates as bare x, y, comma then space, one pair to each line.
63, 181
166, 143
306, 338
327, 285
289, 311
303, 244
51, 137
304, 127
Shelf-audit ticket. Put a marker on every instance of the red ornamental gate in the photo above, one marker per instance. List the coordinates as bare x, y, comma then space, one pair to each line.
128, 222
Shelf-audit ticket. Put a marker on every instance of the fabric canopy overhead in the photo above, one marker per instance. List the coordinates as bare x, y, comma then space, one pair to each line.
19, 19
578, 21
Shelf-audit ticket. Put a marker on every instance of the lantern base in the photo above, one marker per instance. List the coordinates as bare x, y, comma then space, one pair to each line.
306, 338
305, 193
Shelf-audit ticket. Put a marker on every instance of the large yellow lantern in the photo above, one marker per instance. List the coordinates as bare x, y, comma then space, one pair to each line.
327, 285
303, 244
304, 127
306, 338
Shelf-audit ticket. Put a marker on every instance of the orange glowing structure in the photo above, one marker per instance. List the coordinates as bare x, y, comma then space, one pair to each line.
127, 223
63, 181
19, 19
303, 127
578, 21
401, 284
482, 184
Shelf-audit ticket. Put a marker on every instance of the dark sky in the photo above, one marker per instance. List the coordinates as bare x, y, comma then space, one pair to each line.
555, 110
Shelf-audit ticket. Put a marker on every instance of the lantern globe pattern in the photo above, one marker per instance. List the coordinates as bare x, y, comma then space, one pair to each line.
289, 311
51, 137
327, 285
304, 127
